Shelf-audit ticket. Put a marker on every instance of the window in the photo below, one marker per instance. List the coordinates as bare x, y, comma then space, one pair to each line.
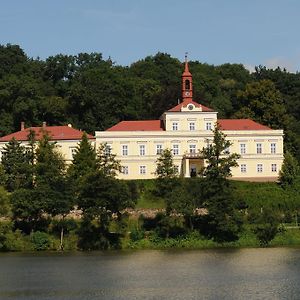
124, 150
159, 149
208, 126
142, 170
142, 150
175, 149
125, 170
192, 148
176, 167
187, 84
243, 148
73, 152
273, 148
259, 168
174, 126
243, 168
227, 150
107, 149
192, 126
259, 148
208, 143
273, 167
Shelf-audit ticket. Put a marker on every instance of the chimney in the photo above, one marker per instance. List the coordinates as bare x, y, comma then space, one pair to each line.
44, 124
22, 126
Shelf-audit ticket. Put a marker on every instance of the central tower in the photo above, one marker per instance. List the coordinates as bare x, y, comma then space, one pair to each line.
186, 82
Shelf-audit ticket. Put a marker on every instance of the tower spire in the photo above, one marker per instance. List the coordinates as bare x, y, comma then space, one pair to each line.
187, 81
186, 65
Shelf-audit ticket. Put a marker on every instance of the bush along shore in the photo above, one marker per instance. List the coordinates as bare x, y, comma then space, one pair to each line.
38, 194
138, 234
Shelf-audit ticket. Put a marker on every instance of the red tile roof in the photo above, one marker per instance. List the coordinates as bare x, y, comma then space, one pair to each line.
186, 102
156, 125
56, 133
147, 125
241, 124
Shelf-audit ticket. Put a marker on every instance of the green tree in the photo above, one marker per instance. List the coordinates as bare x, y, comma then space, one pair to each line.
164, 72
266, 226
165, 167
101, 196
108, 164
5, 206
263, 103
223, 219
219, 161
16, 165
289, 170
167, 177
51, 186
183, 200
84, 162
27, 209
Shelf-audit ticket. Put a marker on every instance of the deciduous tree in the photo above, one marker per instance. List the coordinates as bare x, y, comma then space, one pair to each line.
101, 196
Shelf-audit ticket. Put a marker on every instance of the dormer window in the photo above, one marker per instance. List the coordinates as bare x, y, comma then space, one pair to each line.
175, 126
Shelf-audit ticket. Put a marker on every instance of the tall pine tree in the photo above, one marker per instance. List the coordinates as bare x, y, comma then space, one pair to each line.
17, 166
223, 220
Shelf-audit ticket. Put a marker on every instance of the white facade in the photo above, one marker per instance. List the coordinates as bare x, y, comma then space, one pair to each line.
261, 150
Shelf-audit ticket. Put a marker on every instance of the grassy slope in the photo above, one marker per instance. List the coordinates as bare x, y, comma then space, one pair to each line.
255, 194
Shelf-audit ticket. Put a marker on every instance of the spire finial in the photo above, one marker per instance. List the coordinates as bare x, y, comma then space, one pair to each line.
186, 64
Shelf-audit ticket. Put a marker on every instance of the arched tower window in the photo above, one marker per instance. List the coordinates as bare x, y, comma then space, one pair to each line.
187, 84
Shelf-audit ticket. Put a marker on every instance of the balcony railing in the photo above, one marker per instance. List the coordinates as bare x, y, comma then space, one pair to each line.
192, 155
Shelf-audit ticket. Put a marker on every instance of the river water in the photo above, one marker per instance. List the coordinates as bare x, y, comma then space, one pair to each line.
272, 273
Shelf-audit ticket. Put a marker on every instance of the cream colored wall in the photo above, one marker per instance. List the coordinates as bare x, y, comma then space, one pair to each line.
150, 139
251, 158
185, 118
133, 139
63, 146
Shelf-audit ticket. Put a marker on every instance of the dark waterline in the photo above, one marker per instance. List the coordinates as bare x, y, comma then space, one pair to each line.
205, 274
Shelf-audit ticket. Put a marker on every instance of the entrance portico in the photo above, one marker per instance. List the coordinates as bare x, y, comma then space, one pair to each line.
192, 164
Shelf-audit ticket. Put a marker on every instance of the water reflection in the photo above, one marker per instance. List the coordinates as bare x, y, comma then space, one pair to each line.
206, 274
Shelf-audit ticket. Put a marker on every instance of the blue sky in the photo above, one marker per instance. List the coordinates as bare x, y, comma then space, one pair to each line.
251, 32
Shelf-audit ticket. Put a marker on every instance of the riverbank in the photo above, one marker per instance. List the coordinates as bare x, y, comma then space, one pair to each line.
287, 238
141, 228
41, 241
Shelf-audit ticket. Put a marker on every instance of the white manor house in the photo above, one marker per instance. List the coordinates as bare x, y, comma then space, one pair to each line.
186, 129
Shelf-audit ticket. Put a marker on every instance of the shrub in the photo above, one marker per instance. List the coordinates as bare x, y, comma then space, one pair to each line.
266, 227
136, 234
40, 240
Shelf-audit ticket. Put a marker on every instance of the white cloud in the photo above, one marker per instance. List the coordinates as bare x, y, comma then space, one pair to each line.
283, 63
250, 68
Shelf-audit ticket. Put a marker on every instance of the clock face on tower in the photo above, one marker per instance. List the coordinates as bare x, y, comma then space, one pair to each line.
187, 93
